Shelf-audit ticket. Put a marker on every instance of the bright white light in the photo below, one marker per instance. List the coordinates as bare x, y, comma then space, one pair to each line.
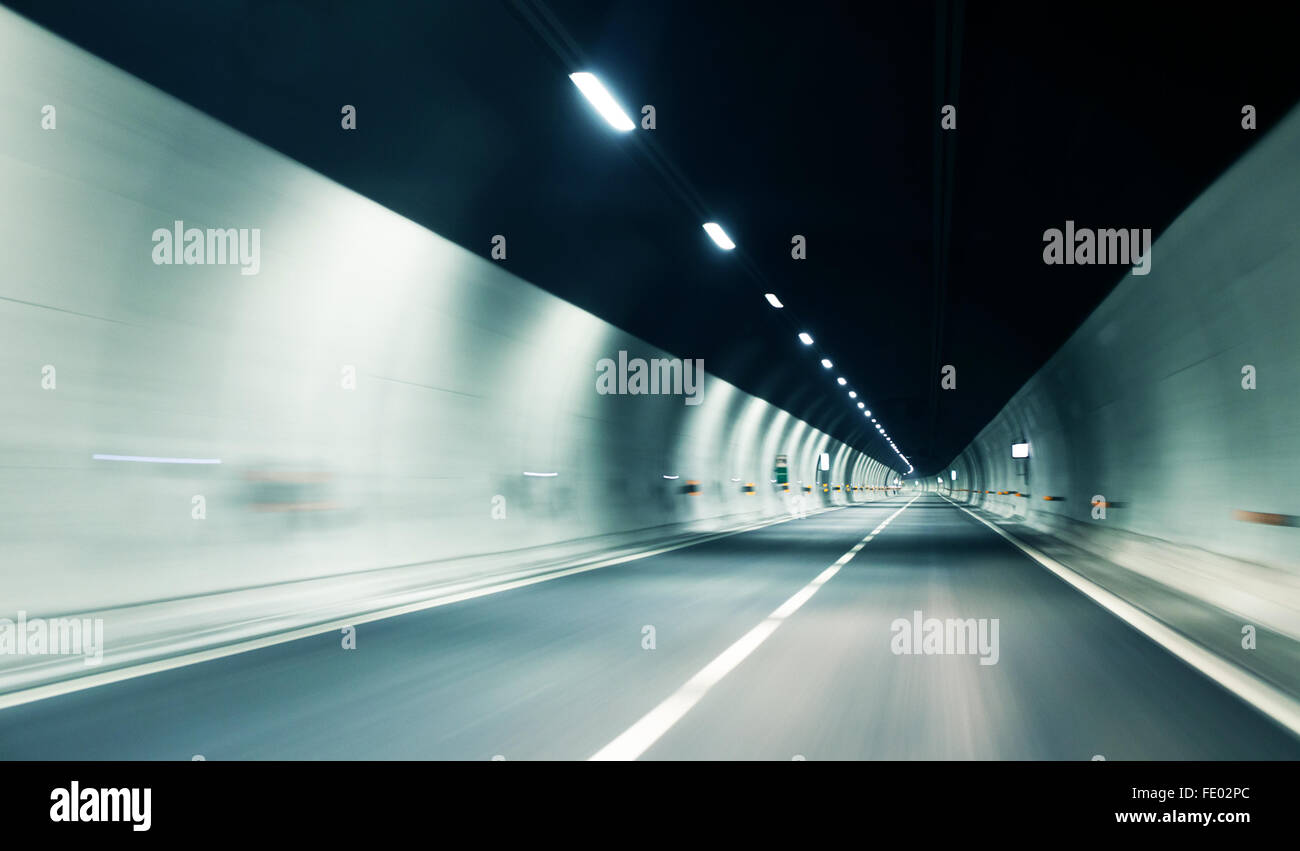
841, 381
805, 338
853, 394
714, 230
146, 459
773, 300
873, 419
869, 414
861, 405
825, 461
594, 91
826, 363
541, 475
954, 475
1020, 450
670, 477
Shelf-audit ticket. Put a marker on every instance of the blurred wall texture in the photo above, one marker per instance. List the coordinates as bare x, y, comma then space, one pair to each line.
374, 396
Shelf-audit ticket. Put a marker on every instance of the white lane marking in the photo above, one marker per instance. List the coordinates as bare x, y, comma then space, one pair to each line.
1273, 702
157, 666
637, 739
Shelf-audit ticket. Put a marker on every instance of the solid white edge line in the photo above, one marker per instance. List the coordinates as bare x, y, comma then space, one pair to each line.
32, 694
1268, 699
641, 736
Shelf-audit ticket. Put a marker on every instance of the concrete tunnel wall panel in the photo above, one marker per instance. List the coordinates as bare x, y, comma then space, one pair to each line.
466, 376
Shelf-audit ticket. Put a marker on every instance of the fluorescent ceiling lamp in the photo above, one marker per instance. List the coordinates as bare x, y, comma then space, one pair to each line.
714, 230
954, 475
773, 300
869, 414
861, 405
1020, 450
853, 394
826, 363
841, 381
805, 338
594, 91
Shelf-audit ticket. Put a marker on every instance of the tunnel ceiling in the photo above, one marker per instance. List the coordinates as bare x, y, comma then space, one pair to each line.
924, 247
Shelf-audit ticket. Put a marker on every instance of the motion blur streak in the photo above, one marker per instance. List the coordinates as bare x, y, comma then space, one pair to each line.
405, 428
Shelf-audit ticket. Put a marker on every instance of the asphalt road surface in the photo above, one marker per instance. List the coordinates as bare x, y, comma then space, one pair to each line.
759, 652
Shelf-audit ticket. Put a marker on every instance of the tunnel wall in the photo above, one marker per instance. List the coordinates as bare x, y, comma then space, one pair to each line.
463, 377
1144, 407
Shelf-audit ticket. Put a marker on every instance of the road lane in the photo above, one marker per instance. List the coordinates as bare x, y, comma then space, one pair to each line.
552, 670
557, 670
1071, 680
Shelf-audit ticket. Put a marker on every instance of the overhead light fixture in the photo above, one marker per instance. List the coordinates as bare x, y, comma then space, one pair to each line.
826, 363
869, 414
715, 231
853, 394
773, 300
599, 97
805, 338
840, 381
861, 405
1020, 450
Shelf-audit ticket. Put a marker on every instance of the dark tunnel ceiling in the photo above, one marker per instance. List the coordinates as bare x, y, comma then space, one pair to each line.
814, 119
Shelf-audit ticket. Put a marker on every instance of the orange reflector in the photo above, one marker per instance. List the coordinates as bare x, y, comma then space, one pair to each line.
1266, 518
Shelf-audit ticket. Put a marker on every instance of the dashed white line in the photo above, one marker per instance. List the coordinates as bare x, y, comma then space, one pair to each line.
638, 738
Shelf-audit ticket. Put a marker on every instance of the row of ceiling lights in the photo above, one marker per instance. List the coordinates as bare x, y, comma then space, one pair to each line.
608, 107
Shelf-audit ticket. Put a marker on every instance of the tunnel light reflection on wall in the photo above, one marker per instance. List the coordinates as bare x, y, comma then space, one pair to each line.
1020, 450
773, 300
150, 459
805, 338
599, 97
718, 235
